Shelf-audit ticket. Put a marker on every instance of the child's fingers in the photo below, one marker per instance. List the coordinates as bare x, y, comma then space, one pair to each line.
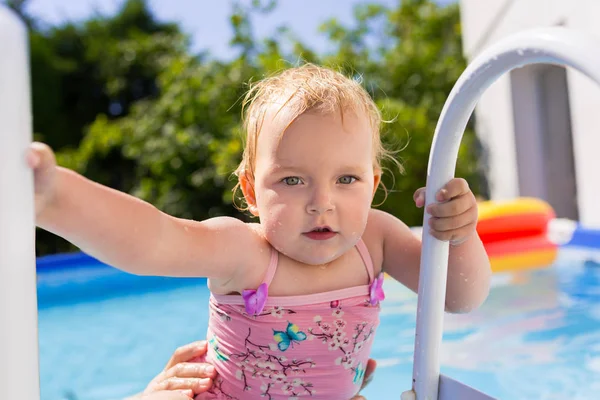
452, 189
32, 158
40, 155
456, 206
454, 236
452, 223
455, 188
419, 197
187, 353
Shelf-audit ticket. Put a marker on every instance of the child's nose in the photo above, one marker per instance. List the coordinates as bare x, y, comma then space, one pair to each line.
320, 203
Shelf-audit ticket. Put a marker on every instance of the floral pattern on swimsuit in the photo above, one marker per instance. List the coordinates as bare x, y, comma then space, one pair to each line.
265, 367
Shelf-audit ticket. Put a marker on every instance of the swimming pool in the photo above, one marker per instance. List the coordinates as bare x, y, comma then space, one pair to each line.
104, 334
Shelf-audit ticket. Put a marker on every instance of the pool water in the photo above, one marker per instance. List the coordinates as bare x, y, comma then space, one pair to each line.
104, 334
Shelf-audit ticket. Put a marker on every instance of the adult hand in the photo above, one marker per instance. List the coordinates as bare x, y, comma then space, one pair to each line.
182, 377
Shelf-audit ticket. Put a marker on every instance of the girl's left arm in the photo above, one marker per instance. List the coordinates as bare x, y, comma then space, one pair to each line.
469, 270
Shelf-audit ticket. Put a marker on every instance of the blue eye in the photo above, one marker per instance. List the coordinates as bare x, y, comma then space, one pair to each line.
292, 180
347, 179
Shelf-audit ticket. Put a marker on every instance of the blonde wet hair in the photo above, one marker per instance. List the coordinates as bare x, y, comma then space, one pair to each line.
302, 89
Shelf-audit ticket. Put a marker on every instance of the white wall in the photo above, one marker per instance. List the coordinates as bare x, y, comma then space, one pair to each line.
485, 22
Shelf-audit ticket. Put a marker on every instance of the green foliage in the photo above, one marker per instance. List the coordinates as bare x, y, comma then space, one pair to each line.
178, 142
81, 71
127, 105
409, 58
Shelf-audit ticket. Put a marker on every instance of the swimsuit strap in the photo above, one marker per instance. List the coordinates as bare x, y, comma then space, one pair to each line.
272, 266
256, 299
360, 246
366, 257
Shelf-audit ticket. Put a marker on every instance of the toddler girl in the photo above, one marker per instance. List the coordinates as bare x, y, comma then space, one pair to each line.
295, 297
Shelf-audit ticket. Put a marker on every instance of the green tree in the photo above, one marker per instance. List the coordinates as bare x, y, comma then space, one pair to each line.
82, 70
409, 58
183, 143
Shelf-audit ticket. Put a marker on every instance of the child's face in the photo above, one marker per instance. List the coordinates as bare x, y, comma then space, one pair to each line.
314, 184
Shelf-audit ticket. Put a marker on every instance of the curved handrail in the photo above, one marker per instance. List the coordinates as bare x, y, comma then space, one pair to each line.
544, 45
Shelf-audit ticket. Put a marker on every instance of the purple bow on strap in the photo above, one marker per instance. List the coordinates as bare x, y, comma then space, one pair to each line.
255, 300
376, 290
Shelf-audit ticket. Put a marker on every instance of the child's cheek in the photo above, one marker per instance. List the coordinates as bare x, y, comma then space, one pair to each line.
275, 221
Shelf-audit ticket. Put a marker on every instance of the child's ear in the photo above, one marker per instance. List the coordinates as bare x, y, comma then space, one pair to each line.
247, 185
376, 180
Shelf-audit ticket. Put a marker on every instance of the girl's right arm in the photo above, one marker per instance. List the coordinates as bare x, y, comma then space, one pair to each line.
131, 234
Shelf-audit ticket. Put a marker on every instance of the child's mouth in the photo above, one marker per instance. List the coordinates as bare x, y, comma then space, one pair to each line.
320, 233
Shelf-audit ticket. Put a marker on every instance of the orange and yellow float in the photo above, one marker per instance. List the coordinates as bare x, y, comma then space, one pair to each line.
515, 233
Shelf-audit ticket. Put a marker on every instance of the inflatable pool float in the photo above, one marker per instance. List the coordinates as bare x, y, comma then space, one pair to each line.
515, 233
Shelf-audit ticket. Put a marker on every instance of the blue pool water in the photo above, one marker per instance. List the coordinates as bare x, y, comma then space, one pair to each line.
104, 334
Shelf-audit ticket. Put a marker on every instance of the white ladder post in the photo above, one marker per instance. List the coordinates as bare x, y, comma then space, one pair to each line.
19, 367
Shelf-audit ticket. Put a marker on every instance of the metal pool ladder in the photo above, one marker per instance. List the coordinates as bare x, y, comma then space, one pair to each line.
554, 45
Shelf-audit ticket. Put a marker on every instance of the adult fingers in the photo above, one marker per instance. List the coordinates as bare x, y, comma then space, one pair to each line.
196, 385
190, 370
187, 353
369, 372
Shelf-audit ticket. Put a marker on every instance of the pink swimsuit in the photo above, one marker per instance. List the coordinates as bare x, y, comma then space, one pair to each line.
308, 346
